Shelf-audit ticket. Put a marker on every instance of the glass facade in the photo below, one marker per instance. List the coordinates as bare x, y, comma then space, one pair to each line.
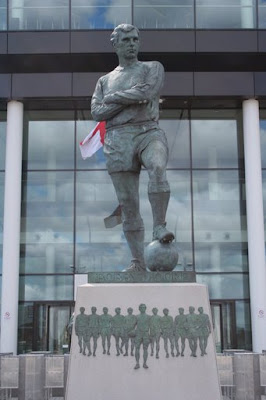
170, 14
226, 14
146, 14
106, 14
38, 14
65, 201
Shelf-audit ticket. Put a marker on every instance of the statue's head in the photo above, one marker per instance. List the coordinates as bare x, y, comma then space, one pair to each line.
200, 310
130, 310
142, 308
125, 40
191, 309
82, 309
181, 310
165, 311
155, 311
105, 310
117, 310
93, 310
122, 28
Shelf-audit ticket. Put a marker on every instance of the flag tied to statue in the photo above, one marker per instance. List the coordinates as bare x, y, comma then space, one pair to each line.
93, 141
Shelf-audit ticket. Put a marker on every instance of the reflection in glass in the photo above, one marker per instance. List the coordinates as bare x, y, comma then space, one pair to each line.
219, 221
25, 328
175, 124
33, 288
39, 14
100, 14
56, 318
243, 325
228, 14
47, 222
262, 13
49, 142
170, 14
214, 136
3, 15
225, 286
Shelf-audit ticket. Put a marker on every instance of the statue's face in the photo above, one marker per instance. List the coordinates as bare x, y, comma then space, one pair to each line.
93, 310
181, 310
127, 45
165, 311
155, 311
118, 310
105, 310
130, 311
142, 308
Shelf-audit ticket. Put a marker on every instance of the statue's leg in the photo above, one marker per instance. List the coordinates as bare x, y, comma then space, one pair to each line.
145, 353
103, 342
108, 343
183, 343
154, 157
132, 346
158, 346
152, 344
177, 345
127, 190
137, 355
94, 344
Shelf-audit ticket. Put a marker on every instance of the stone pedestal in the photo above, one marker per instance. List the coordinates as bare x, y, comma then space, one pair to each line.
114, 377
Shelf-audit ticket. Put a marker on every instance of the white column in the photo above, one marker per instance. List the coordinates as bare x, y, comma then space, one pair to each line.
255, 222
11, 229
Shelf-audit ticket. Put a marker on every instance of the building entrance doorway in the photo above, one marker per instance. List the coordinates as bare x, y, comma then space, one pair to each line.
224, 325
50, 328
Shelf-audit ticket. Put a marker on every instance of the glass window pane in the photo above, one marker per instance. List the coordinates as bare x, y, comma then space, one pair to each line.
225, 286
101, 249
2, 180
2, 140
219, 221
33, 288
25, 328
97, 248
39, 14
49, 141
243, 325
263, 137
228, 14
103, 14
262, 13
214, 136
175, 124
47, 222
170, 14
3, 15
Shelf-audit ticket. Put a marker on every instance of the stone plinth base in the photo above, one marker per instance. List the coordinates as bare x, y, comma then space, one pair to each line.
99, 376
